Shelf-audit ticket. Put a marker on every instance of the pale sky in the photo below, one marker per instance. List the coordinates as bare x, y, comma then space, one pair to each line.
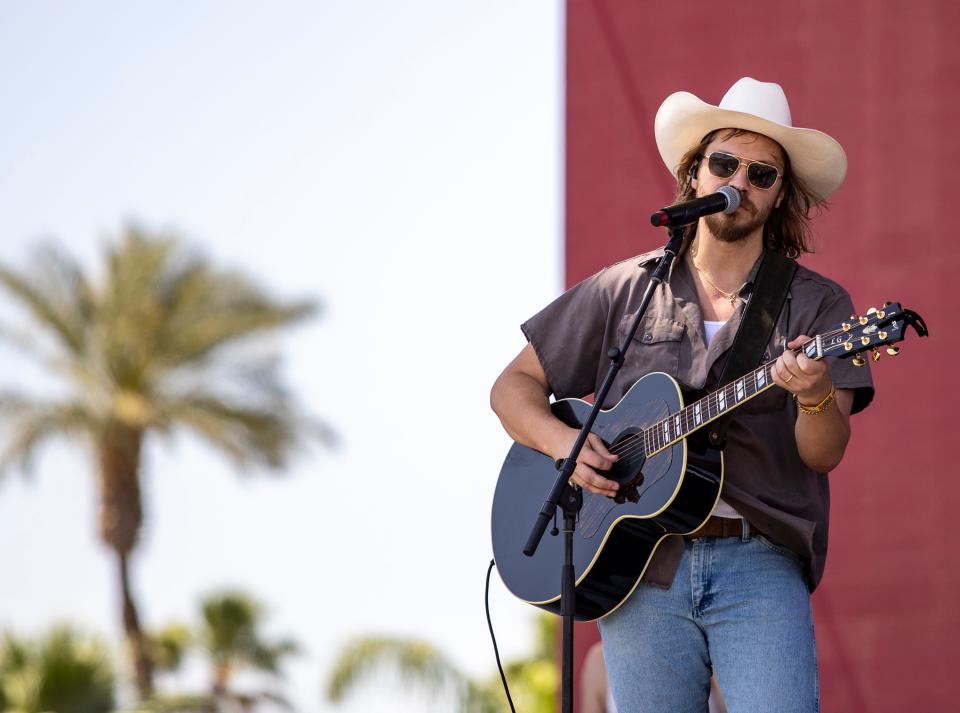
399, 161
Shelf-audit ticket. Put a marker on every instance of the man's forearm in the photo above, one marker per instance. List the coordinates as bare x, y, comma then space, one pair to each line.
822, 438
524, 410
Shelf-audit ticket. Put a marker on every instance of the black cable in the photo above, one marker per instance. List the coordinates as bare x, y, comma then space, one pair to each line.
493, 638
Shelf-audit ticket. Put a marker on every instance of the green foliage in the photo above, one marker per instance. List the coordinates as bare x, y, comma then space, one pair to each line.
59, 673
533, 680
416, 662
168, 647
229, 636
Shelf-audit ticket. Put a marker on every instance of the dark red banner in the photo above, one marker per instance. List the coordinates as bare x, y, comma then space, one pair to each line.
882, 79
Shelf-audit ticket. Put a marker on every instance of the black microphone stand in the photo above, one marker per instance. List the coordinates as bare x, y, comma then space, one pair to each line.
570, 497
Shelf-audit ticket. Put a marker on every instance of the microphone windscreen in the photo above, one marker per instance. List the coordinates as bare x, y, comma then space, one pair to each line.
733, 198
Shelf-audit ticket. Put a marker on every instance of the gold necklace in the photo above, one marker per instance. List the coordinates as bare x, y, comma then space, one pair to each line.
732, 296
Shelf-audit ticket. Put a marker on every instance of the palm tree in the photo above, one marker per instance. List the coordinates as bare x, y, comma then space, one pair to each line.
415, 661
533, 679
149, 348
229, 635
61, 672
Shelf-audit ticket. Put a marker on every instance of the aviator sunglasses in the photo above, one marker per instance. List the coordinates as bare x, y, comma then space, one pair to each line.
761, 175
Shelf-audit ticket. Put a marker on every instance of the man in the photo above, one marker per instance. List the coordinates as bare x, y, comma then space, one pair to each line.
733, 597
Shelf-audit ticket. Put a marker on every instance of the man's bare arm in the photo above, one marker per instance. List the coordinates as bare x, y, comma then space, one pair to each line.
821, 438
520, 397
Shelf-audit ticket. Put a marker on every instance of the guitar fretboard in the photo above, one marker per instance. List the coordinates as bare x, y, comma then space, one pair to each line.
688, 419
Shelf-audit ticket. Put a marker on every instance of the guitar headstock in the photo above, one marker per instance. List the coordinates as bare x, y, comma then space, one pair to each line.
878, 327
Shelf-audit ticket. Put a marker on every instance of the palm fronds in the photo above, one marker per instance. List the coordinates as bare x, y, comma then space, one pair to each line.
61, 672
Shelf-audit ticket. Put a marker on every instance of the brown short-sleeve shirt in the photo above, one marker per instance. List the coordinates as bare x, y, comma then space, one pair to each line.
764, 477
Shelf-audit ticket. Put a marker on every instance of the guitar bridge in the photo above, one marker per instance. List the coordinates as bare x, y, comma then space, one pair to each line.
629, 491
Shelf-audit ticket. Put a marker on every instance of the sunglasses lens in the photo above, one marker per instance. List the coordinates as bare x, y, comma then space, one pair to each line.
761, 175
722, 165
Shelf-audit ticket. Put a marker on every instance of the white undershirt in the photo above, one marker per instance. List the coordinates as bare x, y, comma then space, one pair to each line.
710, 329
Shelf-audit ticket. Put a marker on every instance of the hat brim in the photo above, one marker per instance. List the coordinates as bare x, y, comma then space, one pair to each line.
683, 120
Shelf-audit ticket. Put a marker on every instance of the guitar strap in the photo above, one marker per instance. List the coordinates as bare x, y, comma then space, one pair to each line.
759, 318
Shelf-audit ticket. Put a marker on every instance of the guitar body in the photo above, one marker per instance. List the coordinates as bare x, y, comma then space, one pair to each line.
672, 492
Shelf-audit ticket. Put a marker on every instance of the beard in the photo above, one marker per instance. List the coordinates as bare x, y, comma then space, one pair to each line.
727, 229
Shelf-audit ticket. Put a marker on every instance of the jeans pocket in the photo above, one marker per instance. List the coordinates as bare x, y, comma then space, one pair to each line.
773, 546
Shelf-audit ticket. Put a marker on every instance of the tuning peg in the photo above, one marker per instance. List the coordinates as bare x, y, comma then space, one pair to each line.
876, 354
871, 310
893, 351
858, 360
853, 316
887, 304
864, 320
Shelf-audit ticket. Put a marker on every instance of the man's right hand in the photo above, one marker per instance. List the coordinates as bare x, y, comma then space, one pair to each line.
594, 459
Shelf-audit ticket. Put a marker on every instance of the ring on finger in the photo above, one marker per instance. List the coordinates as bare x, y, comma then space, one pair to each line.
787, 380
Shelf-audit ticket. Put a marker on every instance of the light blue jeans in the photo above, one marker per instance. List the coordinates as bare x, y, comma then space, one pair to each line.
738, 606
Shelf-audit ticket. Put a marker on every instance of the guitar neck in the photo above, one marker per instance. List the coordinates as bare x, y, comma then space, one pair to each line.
676, 427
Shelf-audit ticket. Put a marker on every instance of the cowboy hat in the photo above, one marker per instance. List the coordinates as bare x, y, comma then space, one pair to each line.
761, 107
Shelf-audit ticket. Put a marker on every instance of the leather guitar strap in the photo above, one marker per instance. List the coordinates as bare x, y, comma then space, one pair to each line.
753, 335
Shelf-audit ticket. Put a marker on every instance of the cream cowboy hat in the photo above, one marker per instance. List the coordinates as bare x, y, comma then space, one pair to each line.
683, 120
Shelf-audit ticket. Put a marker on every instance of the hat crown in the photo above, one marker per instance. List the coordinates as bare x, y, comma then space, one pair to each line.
763, 99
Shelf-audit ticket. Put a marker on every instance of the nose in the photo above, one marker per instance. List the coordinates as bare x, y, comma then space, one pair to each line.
739, 179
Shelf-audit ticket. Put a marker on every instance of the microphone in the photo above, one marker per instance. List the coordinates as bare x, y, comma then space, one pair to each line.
726, 199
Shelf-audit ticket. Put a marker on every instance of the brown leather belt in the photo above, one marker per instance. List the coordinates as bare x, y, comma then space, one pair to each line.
718, 527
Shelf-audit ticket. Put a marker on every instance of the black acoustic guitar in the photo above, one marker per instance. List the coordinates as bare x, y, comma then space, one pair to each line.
669, 478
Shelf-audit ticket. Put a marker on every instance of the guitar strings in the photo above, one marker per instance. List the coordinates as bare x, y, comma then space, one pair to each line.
638, 442
647, 440
651, 435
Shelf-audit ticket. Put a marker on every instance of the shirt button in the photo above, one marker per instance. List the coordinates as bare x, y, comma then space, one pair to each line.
648, 337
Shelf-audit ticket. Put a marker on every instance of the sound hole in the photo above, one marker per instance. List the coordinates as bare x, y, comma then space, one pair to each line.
633, 471
628, 471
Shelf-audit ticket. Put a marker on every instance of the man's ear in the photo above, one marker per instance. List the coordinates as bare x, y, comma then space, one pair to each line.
779, 199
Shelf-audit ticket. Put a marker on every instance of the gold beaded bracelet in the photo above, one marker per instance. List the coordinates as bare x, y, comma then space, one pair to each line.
820, 407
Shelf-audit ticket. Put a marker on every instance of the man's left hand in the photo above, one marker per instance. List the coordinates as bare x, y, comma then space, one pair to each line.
807, 379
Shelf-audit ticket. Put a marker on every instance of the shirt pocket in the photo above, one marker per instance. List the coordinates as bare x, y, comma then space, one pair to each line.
655, 347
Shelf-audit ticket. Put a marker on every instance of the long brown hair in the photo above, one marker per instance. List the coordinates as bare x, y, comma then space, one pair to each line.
788, 229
